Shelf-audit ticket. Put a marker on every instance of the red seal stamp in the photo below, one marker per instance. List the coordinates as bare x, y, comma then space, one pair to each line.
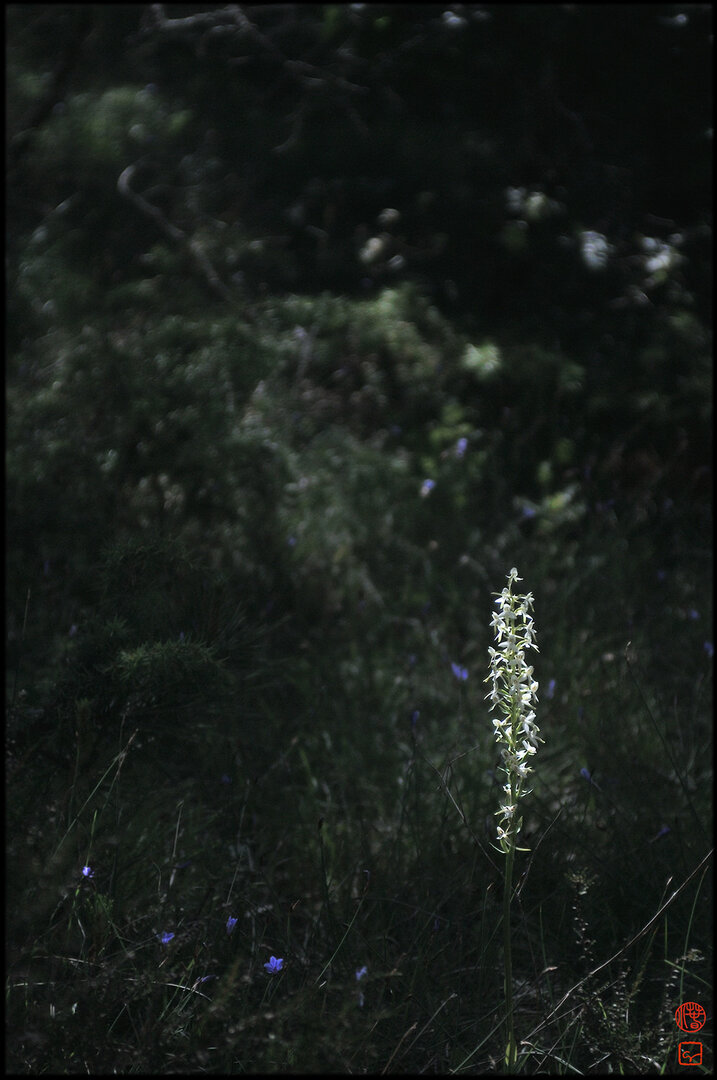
690, 1016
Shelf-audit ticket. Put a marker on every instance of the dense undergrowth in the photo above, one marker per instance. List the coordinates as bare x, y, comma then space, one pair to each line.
232, 696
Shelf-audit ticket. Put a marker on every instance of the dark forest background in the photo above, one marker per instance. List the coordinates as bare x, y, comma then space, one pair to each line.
320, 319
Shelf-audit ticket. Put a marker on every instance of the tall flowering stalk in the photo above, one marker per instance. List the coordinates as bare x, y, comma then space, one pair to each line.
514, 694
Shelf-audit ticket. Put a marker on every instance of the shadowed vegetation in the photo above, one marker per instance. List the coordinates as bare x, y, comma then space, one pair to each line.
320, 320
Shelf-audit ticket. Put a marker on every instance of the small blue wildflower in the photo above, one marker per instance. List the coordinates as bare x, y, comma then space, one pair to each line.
427, 487
551, 689
46, 567
231, 923
587, 775
411, 659
73, 630
528, 511
165, 938
292, 541
225, 779
415, 715
692, 614
663, 832
275, 964
459, 672
87, 871
709, 649
361, 1000
360, 972
461, 447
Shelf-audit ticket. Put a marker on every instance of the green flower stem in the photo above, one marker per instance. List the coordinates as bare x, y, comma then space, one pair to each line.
511, 1052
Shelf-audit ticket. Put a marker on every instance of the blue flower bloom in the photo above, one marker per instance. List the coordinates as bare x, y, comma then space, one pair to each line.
709, 649
551, 689
663, 832
275, 964
693, 614
586, 775
461, 447
165, 938
361, 972
414, 718
231, 923
427, 487
87, 871
459, 672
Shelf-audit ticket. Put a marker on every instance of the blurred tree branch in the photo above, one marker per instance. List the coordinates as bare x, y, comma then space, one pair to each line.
233, 21
191, 246
56, 86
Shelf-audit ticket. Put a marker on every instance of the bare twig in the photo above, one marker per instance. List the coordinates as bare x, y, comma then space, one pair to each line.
232, 19
177, 235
